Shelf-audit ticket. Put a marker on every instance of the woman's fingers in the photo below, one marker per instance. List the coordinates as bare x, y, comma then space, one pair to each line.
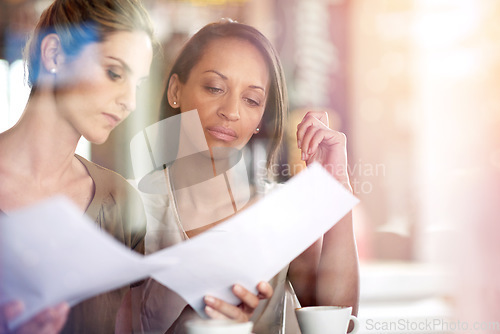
49, 321
306, 148
265, 290
213, 314
321, 144
9, 312
310, 119
306, 131
321, 116
62, 312
327, 139
312, 133
217, 309
248, 299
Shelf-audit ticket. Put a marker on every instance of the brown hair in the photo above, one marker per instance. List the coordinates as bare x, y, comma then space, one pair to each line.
80, 22
273, 120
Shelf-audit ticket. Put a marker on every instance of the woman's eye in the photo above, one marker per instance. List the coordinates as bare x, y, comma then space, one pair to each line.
214, 90
252, 102
113, 76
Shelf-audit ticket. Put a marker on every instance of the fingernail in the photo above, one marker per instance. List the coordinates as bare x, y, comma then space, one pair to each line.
303, 156
209, 300
298, 143
309, 151
209, 310
237, 288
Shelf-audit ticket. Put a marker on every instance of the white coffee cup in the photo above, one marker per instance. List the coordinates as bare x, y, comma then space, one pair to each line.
325, 319
214, 326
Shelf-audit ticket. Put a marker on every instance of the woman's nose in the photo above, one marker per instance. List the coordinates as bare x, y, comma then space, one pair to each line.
230, 109
128, 99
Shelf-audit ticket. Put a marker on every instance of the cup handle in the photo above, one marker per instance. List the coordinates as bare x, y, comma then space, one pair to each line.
355, 321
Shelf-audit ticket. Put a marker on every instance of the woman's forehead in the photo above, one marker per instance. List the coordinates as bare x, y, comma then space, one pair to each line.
232, 52
132, 48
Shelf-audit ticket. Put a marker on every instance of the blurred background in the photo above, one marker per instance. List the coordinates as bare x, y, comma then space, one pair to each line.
414, 84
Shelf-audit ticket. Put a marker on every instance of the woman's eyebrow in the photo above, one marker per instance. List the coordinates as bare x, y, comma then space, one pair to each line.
216, 72
125, 66
225, 78
257, 87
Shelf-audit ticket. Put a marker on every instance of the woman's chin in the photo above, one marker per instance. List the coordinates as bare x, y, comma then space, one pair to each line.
97, 139
224, 153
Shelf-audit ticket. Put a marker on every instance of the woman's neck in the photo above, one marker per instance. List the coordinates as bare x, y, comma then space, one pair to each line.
202, 190
37, 159
41, 144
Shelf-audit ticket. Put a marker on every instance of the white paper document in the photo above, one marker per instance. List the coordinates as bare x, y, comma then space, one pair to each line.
257, 243
51, 253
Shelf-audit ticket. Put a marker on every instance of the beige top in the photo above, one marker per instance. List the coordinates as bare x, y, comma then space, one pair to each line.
117, 208
161, 306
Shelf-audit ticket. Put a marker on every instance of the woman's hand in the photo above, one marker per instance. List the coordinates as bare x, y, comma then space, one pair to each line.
218, 309
319, 143
48, 321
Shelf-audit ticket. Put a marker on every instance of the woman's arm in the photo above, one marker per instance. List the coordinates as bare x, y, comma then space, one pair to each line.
338, 272
327, 273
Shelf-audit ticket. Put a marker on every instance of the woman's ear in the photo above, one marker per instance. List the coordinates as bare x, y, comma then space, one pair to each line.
51, 53
174, 91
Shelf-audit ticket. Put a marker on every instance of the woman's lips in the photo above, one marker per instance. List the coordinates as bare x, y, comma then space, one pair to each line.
222, 133
112, 119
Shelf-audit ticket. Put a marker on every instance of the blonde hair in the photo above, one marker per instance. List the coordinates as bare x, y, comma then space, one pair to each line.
80, 22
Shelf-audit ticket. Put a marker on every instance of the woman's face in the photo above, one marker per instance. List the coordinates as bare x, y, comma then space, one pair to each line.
229, 88
97, 90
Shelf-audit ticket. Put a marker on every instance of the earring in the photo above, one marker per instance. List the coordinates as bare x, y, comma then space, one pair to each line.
257, 130
175, 103
53, 70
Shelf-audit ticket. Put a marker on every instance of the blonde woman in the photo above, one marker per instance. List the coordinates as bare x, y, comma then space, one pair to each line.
86, 59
